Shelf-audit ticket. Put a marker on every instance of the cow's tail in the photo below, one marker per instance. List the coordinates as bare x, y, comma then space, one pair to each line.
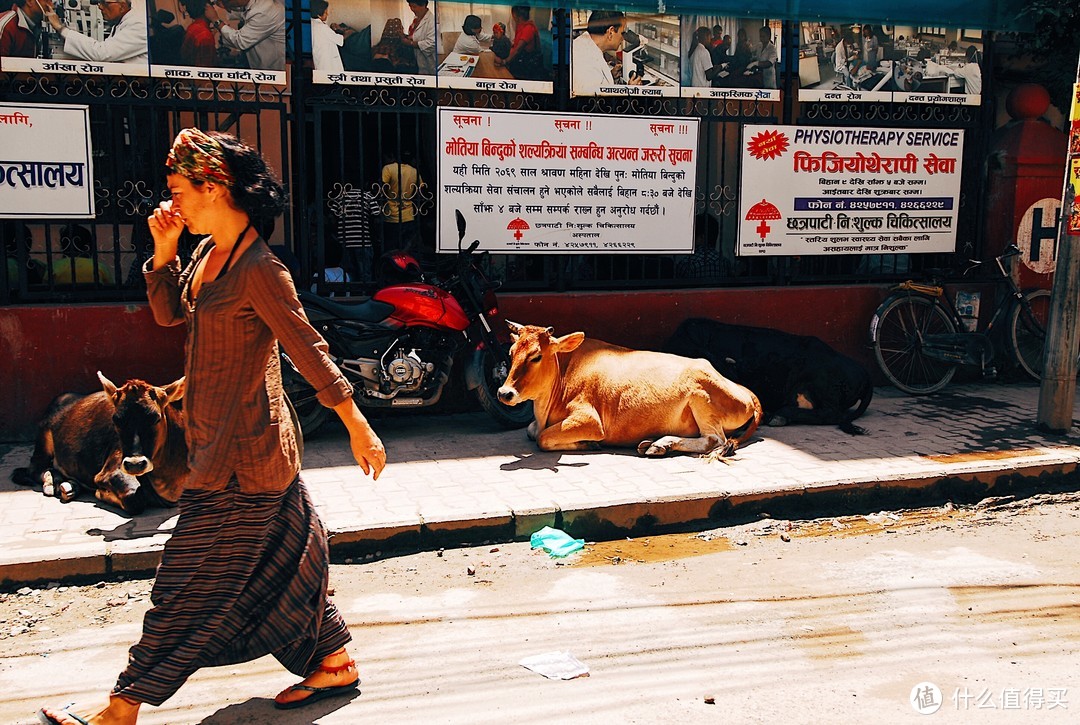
865, 395
751, 426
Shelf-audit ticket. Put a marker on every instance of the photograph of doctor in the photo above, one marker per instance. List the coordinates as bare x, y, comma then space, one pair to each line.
126, 43
259, 34
421, 37
590, 68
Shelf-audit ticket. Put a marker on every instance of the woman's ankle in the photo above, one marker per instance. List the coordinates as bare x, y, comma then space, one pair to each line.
336, 659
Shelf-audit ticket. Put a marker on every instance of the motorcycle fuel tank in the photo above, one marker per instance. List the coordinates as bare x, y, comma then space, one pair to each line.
424, 304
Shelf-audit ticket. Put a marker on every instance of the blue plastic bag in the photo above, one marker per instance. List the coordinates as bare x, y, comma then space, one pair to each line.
555, 542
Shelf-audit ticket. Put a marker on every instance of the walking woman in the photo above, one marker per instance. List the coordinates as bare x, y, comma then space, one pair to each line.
245, 572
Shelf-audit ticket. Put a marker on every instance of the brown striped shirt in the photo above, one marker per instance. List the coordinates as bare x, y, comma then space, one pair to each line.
237, 420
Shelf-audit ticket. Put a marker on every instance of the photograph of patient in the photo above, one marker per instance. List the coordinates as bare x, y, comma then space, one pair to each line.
509, 44
374, 41
235, 40
75, 36
727, 52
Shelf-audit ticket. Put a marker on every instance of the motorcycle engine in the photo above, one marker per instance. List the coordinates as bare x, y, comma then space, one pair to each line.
406, 369
410, 369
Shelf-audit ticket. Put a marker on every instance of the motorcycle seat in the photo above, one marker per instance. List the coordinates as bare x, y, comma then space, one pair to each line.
365, 310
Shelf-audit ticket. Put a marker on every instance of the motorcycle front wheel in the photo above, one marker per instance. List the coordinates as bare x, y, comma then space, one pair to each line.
492, 374
310, 413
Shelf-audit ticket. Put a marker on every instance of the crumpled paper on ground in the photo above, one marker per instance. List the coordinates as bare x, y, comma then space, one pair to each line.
555, 542
556, 665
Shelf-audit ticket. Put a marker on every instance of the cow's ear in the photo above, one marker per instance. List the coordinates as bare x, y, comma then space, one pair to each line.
174, 391
568, 343
110, 388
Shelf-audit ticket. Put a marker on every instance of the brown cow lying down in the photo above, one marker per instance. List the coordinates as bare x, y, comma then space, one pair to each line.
586, 392
125, 444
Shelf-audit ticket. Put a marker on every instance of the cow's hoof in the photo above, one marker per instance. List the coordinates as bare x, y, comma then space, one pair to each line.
66, 491
653, 449
776, 421
48, 488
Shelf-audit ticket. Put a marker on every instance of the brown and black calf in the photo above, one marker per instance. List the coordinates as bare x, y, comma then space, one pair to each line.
125, 444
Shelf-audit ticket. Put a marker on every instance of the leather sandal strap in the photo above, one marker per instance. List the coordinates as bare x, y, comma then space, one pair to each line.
306, 688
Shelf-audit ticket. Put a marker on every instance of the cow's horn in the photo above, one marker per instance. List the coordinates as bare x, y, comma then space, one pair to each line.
515, 327
110, 388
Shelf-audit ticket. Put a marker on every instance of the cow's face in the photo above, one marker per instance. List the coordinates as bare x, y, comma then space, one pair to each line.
534, 367
140, 420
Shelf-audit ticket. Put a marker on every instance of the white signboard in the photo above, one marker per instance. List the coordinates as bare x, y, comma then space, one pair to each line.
46, 167
807, 190
566, 183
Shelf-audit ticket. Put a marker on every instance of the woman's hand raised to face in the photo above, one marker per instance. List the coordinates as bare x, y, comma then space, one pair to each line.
165, 224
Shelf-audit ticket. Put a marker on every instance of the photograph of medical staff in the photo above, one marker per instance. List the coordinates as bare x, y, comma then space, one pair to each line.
845, 57
726, 52
383, 36
907, 59
506, 42
90, 31
612, 48
232, 36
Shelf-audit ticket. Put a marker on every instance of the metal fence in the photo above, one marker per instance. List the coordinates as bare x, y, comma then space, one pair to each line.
333, 143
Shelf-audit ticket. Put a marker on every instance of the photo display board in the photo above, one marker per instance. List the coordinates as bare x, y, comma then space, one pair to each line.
903, 64
567, 183
812, 190
226, 40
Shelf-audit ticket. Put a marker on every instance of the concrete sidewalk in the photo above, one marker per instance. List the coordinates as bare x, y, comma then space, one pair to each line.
459, 479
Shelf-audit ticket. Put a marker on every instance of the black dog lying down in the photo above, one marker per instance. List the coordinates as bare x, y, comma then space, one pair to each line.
797, 378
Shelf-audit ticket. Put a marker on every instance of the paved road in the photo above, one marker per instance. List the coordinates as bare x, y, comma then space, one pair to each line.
836, 624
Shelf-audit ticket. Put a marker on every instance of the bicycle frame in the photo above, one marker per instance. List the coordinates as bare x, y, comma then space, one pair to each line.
964, 347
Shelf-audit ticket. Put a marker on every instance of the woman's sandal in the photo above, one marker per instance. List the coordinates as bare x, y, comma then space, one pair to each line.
321, 693
47, 720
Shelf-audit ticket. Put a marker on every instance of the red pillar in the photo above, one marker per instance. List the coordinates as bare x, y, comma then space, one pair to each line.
1026, 171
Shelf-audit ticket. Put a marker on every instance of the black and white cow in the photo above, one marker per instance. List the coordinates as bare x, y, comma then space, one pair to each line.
797, 378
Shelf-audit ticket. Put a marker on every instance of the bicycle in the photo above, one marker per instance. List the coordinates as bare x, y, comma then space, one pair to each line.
919, 338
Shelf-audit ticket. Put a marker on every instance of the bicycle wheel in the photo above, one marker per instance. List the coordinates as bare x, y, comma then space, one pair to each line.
1027, 333
897, 331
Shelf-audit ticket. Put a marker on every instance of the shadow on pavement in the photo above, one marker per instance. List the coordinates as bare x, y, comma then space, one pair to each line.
261, 710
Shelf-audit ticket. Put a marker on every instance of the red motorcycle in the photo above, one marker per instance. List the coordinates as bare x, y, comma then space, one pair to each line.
398, 346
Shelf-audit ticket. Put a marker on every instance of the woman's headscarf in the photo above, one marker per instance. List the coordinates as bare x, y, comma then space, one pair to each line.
199, 157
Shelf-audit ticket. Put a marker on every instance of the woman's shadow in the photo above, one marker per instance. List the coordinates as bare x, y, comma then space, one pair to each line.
261, 710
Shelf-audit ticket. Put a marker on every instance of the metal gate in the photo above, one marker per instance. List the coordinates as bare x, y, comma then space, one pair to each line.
329, 143
132, 124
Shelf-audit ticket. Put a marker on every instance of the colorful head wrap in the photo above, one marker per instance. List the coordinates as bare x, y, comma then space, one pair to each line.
198, 156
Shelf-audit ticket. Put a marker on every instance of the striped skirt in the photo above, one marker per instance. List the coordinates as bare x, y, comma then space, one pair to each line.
243, 575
